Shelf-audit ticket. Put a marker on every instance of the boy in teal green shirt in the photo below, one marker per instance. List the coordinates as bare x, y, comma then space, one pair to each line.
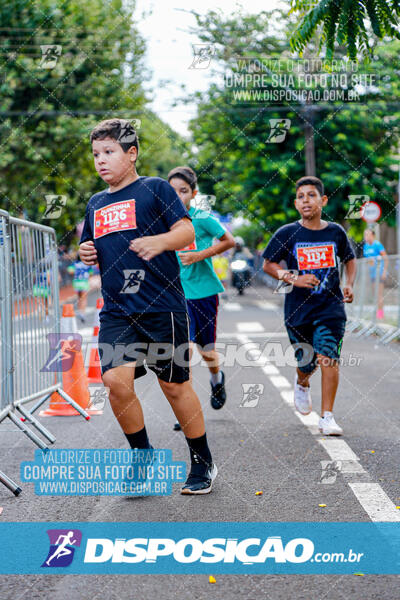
200, 283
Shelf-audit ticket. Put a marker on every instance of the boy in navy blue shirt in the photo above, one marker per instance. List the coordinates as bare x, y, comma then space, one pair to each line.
314, 311
132, 230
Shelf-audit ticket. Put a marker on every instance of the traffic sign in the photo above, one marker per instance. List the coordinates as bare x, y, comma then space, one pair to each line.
371, 212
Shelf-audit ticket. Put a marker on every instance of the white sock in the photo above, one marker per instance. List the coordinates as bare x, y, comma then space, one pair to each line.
327, 413
216, 378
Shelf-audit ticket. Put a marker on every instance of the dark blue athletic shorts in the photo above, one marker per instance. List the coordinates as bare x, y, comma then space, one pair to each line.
159, 341
317, 337
203, 320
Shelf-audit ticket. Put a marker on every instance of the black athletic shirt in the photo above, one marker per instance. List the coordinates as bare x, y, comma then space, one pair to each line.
312, 251
148, 206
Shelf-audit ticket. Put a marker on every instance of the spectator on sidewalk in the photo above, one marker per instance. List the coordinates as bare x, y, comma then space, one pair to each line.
373, 249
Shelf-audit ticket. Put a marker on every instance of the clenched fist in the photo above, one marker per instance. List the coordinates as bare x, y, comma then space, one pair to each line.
88, 253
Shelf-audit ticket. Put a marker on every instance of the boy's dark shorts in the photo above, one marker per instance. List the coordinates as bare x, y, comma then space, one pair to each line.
317, 337
203, 320
159, 341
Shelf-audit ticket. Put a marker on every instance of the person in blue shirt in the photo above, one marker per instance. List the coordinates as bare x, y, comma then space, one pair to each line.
81, 285
132, 230
373, 249
200, 282
315, 319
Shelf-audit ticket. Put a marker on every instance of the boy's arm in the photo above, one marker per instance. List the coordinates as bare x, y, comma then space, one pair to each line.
226, 241
350, 268
275, 270
87, 251
180, 234
385, 263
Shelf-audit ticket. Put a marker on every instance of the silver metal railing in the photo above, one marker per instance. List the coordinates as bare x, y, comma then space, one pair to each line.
29, 311
376, 306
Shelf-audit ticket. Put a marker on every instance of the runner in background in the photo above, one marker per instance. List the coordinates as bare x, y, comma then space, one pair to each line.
81, 284
372, 249
200, 283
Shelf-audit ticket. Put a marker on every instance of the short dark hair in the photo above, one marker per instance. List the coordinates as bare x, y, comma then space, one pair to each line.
185, 173
310, 180
119, 130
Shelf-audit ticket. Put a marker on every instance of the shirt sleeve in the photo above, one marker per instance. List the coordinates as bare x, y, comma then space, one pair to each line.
277, 249
345, 251
87, 233
171, 207
213, 227
380, 247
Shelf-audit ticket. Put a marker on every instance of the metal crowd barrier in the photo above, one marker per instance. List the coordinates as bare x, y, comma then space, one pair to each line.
29, 311
376, 306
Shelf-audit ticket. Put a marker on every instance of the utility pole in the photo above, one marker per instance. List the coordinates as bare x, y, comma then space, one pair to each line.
308, 115
398, 213
309, 147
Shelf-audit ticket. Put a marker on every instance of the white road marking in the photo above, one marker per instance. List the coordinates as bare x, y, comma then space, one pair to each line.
286, 396
233, 306
371, 496
338, 449
279, 381
265, 305
270, 370
311, 421
249, 326
375, 502
351, 466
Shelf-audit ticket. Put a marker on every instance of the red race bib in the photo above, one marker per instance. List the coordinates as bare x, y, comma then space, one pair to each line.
119, 216
191, 246
321, 256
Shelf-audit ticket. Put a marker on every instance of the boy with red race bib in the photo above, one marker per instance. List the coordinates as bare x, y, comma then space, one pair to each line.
132, 230
314, 308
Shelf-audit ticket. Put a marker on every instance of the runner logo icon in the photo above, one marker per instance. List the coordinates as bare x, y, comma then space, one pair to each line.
62, 547
251, 394
62, 352
133, 279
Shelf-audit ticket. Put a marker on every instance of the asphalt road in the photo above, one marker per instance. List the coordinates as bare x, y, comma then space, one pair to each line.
265, 447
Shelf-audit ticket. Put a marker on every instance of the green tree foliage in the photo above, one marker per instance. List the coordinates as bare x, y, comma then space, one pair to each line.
47, 113
345, 21
355, 141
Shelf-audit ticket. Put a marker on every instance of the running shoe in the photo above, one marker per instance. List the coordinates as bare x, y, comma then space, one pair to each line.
302, 398
328, 425
200, 481
218, 393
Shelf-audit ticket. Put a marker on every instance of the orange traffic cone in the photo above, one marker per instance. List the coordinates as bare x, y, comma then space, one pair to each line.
75, 382
94, 370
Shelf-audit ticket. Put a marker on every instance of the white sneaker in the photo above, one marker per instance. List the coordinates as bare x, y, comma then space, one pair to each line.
302, 398
328, 425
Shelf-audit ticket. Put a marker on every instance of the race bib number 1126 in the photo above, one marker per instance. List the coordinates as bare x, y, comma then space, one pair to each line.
119, 216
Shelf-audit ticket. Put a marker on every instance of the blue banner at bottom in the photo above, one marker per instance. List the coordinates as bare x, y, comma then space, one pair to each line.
205, 547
